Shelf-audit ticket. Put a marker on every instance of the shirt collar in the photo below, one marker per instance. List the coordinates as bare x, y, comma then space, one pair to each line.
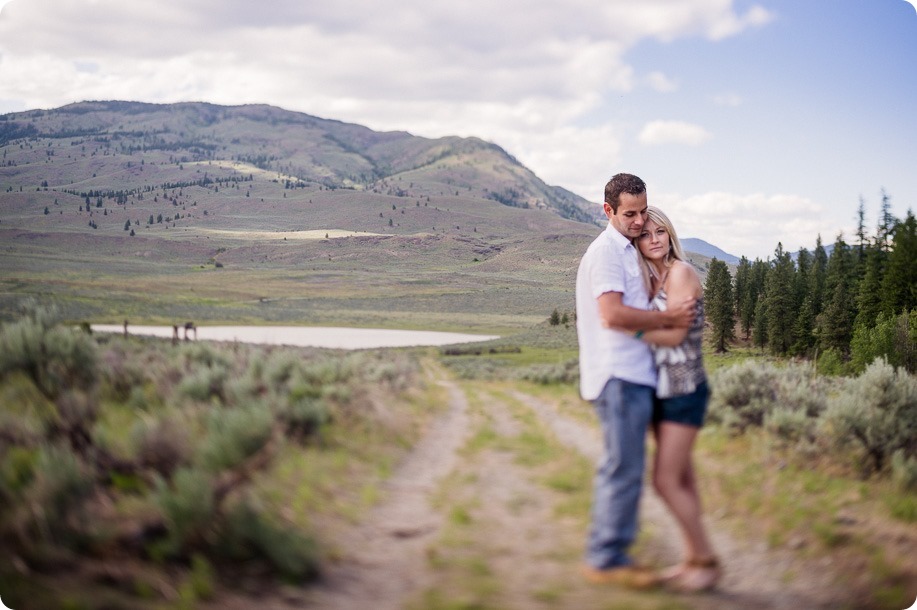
617, 237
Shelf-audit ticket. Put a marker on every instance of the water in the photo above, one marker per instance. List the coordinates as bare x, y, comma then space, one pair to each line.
306, 336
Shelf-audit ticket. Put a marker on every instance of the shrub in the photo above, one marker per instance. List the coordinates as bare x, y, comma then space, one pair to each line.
251, 535
187, 508
789, 426
60, 485
202, 353
904, 471
205, 382
546, 374
162, 445
742, 395
55, 357
760, 394
304, 415
233, 435
876, 412
830, 362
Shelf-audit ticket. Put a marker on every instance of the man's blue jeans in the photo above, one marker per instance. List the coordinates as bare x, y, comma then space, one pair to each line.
625, 410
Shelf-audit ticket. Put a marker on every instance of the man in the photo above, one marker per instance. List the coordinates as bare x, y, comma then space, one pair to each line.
617, 374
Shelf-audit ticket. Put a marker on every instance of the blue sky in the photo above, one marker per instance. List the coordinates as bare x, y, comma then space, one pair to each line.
752, 122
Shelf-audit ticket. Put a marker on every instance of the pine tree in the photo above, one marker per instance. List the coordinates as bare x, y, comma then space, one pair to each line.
719, 304
816, 289
861, 234
754, 294
899, 284
759, 329
886, 222
742, 286
835, 323
803, 336
780, 295
869, 295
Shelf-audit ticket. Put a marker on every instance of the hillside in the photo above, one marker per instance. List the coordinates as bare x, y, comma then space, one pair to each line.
158, 213
253, 213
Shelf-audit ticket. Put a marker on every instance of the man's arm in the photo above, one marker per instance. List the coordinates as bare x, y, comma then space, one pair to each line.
615, 314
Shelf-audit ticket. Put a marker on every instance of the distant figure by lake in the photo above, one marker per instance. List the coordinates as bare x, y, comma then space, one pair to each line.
309, 336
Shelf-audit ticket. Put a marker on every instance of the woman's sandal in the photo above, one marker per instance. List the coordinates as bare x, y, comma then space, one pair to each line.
698, 575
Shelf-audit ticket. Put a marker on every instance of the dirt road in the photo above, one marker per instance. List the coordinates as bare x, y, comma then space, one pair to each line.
464, 523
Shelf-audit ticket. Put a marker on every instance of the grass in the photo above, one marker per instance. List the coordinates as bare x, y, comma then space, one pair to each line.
765, 492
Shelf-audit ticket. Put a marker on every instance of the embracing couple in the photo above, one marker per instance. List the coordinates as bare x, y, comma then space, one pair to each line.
640, 317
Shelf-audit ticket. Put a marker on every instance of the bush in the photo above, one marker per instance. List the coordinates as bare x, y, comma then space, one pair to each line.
205, 382
304, 415
251, 535
789, 426
547, 374
904, 471
891, 337
56, 358
830, 362
59, 486
162, 445
760, 394
187, 508
876, 412
233, 435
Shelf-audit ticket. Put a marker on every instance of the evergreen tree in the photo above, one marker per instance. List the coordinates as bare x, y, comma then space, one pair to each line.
719, 304
899, 283
869, 295
835, 323
886, 222
816, 289
861, 233
780, 294
759, 329
742, 286
803, 327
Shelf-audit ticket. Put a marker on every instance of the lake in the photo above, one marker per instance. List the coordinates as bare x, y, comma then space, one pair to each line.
306, 336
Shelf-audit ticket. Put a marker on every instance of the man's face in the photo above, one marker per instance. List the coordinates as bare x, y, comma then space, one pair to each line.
631, 214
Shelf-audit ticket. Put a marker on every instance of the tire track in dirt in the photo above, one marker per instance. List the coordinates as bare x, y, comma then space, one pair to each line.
754, 576
384, 557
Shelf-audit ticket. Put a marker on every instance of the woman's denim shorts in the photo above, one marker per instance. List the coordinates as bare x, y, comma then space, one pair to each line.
688, 409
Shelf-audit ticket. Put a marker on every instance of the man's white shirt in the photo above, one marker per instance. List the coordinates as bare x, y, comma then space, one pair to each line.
610, 264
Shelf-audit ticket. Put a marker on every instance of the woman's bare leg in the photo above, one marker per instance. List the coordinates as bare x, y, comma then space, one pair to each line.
674, 480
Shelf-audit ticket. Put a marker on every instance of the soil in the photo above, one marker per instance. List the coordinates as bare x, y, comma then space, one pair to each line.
386, 561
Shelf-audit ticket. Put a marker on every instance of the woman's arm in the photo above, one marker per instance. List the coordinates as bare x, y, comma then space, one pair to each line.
615, 314
682, 283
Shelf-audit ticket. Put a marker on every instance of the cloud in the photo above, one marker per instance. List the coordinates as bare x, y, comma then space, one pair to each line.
531, 77
672, 132
660, 82
750, 225
728, 99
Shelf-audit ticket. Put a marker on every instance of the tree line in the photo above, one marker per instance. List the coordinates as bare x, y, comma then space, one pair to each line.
843, 309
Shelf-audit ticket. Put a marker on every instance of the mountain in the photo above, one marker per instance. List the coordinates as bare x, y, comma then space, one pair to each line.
195, 211
699, 246
299, 148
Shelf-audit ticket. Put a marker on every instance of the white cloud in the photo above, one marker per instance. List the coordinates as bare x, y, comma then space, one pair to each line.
660, 82
750, 225
728, 99
672, 132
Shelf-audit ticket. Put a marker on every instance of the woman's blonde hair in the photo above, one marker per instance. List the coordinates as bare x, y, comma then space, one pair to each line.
675, 252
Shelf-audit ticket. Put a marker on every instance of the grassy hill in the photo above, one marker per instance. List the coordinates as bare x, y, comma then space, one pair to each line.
162, 213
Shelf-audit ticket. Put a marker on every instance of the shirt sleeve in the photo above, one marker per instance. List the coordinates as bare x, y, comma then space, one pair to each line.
607, 273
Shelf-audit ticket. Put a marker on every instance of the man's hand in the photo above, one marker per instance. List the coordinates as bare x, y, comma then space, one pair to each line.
681, 315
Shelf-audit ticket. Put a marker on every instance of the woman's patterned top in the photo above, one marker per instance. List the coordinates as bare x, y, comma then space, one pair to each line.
681, 368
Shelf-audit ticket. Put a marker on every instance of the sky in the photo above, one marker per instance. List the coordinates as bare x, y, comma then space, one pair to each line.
752, 122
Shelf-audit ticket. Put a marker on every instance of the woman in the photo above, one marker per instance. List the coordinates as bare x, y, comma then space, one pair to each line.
682, 395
